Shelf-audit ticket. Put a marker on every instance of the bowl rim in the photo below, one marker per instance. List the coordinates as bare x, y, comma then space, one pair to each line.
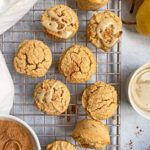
140, 111
23, 123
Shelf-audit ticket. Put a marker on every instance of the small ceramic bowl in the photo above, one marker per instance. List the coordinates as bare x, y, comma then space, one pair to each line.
34, 137
140, 111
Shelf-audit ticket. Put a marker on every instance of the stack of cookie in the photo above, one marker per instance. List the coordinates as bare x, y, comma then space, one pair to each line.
77, 64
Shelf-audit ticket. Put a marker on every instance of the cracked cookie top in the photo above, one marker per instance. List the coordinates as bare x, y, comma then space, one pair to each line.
100, 100
60, 145
52, 97
91, 134
104, 30
33, 58
77, 64
60, 22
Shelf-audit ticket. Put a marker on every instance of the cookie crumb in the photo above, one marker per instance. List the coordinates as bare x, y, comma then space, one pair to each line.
68, 117
138, 131
114, 118
73, 109
130, 144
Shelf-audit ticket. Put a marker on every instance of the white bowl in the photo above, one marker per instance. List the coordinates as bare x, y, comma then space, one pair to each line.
140, 111
34, 137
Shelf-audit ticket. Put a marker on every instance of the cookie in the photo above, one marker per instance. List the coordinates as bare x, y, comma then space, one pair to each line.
60, 22
77, 64
52, 97
33, 58
91, 134
60, 145
104, 30
100, 100
91, 4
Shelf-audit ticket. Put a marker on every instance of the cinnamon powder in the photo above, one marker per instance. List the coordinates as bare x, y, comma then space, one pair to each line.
14, 137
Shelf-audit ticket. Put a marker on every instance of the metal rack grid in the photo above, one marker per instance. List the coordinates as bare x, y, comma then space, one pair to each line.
49, 128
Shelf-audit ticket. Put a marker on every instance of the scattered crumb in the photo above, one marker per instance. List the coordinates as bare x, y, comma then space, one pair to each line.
138, 131
130, 145
114, 118
73, 109
70, 111
68, 117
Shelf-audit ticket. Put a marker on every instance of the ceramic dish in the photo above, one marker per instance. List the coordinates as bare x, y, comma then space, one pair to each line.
145, 114
34, 137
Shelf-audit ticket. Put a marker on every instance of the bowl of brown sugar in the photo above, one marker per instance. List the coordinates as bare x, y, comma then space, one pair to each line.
15, 134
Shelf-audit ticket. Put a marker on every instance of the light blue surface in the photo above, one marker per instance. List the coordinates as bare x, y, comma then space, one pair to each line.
135, 52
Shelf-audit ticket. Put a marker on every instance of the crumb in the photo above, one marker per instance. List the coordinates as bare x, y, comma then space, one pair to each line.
114, 118
68, 117
73, 109
130, 144
138, 131
141, 130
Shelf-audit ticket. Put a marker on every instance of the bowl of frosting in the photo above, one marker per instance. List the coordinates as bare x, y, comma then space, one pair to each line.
15, 134
138, 90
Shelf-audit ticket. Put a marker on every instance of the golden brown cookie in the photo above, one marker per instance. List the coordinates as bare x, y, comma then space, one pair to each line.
52, 97
60, 145
91, 4
104, 30
60, 22
77, 64
33, 58
100, 100
91, 134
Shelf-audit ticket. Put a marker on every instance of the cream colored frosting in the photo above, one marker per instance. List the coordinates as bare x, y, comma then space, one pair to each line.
108, 23
140, 89
53, 25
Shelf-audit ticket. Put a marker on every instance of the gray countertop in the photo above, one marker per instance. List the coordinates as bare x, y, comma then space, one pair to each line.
135, 130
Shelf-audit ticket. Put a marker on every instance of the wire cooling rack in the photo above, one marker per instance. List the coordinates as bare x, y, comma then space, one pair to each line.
49, 128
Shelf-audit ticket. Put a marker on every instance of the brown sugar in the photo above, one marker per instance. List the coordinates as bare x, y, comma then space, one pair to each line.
14, 136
